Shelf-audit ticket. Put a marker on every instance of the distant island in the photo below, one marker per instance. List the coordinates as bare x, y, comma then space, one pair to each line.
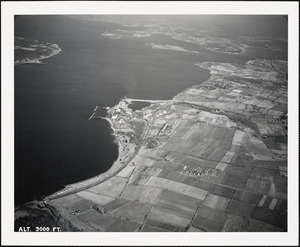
169, 47
33, 51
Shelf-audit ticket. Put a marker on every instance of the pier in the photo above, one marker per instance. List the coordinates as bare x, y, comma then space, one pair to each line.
92, 116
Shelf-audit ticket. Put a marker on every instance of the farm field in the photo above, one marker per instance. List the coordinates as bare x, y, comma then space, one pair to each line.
214, 158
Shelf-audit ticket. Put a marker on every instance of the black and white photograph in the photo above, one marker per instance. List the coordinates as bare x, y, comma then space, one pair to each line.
150, 119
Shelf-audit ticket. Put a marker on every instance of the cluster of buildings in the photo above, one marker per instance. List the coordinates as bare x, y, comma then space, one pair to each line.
199, 171
99, 209
120, 113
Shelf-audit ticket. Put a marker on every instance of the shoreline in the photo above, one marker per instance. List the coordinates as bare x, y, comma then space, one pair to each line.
76, 187
102, 177
127, 155
116, 167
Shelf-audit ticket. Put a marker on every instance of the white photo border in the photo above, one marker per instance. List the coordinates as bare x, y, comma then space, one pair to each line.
9, 9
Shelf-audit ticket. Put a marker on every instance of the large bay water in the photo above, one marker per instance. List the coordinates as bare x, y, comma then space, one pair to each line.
55, 143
